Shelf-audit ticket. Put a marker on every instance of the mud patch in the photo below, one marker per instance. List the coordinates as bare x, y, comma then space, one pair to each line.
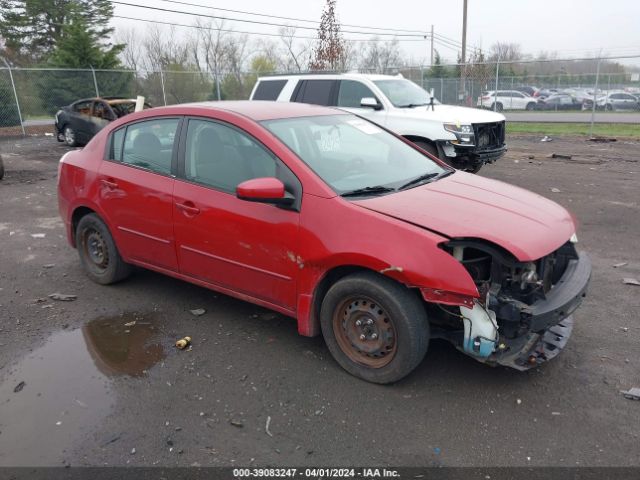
12, 177
56, 395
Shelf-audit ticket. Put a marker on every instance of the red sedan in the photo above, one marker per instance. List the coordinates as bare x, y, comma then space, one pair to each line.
330, 219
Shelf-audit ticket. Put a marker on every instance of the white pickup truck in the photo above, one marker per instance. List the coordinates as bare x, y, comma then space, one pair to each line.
465, 138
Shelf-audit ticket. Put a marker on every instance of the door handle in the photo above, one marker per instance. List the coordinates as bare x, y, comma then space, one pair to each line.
110, 183
188, 208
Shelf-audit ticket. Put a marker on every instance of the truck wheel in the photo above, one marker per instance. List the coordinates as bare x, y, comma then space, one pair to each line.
98, 253
70, 136
374, 327
1, 168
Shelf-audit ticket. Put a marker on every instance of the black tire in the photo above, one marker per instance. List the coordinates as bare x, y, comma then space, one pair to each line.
428, 147
531, 106
400, 320
498, 107
1, 168
70, 136
98, 252
608, 107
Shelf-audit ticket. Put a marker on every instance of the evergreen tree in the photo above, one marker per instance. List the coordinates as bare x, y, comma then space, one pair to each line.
330, 51
32, 28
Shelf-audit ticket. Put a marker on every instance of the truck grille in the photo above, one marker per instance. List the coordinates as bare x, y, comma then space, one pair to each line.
489, 135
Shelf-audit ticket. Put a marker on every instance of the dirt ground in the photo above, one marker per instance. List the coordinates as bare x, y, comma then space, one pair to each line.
100, 389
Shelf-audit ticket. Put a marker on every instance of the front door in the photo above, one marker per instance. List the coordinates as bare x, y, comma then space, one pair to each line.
350, 95
136, 191
249, 248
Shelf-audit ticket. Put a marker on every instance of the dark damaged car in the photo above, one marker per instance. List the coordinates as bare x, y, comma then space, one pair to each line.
77, 123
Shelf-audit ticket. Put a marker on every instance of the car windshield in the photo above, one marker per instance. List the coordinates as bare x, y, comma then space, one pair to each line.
353, 155
403, 93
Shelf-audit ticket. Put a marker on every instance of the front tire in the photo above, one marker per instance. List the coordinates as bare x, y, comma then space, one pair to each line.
374, 327
531, 106
98, 252
70, 137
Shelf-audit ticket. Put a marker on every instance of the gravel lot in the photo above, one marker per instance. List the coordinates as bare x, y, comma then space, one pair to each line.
100, 390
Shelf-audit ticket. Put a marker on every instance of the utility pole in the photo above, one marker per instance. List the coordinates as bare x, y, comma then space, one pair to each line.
432, 45
464, 50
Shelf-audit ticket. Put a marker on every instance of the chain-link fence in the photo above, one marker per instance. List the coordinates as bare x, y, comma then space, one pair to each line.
29, 97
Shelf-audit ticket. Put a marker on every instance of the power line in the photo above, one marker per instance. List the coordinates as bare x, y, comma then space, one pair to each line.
266, 15
200, 27
255, 22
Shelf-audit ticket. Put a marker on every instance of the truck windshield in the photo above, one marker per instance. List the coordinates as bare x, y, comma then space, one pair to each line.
403, 93
353, 156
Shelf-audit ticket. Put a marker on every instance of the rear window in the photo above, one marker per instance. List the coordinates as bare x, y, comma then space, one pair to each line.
316, 92
269, 89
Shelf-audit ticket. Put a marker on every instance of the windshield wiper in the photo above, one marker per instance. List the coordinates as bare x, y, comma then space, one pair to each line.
412, 105
367, 190
420, 179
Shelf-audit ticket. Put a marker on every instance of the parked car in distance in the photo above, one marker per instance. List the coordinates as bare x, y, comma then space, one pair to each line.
77, 123
558, 101
462, 137
529, 90
328, 218
506, 100
614, 101
545, 92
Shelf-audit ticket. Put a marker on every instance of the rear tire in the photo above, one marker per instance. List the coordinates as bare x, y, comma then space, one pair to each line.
98, 252
531, 106
374, 327
498, 107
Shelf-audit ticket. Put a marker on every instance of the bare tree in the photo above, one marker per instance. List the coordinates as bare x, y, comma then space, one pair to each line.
296, 54
329, 53
381, 56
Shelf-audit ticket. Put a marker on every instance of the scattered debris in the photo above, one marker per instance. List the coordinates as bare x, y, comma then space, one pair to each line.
632, 393
555, 190
631, 281
198, 311
603, 139
236, 423
81, 403
266, 427
556, 413
183, 342
49, 265
19, 387
133, 451
38, 235
48, 134
621, 264
531, 157
560, 155
624, 329
130, 324
62, 297
546, 138
518, 401
58, 423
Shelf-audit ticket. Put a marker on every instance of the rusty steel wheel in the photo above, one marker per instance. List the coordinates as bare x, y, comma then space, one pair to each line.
364, 332
98, 253
375, 327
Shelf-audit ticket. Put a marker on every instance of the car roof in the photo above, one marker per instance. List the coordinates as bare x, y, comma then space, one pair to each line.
259, 110
332, 76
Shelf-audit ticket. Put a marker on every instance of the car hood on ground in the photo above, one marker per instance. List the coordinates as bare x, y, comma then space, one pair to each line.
451, 114
468, 206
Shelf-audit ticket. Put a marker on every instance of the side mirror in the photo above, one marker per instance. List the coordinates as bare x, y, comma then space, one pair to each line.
264, 190
370, 102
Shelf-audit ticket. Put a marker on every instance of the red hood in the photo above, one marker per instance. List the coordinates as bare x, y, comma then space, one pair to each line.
464, 205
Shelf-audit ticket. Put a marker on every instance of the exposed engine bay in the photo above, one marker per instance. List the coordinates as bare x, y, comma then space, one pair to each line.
523, 315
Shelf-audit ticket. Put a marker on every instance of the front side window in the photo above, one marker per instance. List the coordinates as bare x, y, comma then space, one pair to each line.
149, 144
84, 108
222, 157
352, 92
404, 94
350, 153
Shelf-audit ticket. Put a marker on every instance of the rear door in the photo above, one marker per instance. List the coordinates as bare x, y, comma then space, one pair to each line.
80, 120
317, 92
136, 190
100, 117
242, 246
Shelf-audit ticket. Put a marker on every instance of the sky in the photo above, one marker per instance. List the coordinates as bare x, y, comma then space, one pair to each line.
570, 28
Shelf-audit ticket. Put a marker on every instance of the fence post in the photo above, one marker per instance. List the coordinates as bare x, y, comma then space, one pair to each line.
217, 84
495, 102
595, 96
15, 94
164, 95
95, 81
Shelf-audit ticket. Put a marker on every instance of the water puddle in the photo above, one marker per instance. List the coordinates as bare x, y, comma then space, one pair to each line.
60, 392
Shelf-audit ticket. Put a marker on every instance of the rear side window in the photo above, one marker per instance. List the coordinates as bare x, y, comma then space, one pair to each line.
316, 92
83, 108
115, 152
352, 92
269, 89
149, 144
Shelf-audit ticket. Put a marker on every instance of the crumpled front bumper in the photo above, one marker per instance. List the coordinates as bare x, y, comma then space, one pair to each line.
550, 320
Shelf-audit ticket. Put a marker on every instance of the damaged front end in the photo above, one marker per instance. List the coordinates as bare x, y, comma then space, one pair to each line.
524, 314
